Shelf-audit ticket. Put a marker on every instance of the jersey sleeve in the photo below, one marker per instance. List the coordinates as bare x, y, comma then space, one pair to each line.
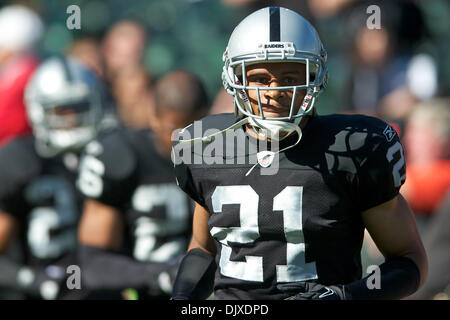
18, 166
108, 170
384, 171
191, 169
186, 182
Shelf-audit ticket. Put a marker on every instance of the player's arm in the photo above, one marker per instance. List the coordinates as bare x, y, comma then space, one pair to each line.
8, 228
104, 267
388, 219
393, 228
100, 226
201, 238
8, 268
195, 278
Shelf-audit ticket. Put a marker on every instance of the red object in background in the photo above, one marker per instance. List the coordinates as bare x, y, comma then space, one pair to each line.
13, 79
427, 185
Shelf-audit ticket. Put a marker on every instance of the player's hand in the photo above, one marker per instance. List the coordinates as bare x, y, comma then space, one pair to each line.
312, 291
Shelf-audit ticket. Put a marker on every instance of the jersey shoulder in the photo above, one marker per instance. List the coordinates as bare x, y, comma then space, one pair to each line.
373, 151
108, 168
358, 137
142, 141
357, 129
115, 151
19, 163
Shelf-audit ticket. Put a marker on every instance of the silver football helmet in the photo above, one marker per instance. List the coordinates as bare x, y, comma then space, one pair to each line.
64, 103
274, 34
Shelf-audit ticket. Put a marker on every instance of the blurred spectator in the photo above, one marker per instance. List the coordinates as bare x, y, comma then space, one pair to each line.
130, 83
386, 77
123, 45
132, 89
87, 51
436, 240
322, 9
427, 148
21, 30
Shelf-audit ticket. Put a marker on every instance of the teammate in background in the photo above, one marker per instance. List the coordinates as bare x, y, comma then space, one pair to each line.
136, 221
287, 221
39, 204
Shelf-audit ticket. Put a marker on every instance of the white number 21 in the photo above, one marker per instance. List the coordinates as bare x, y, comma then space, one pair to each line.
289, 201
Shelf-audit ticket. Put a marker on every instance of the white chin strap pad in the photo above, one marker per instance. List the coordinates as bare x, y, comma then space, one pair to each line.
275, 129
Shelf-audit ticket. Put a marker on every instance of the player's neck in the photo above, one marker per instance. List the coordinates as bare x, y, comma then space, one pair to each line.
253, 133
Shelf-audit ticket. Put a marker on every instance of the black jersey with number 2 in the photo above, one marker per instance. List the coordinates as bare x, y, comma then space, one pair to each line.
40, 194
123, 169
299, 218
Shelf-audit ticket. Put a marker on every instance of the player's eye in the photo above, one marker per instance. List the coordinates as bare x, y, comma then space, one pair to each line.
291, 81
258, 81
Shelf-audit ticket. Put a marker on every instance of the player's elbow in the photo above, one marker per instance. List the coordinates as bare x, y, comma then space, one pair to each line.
419, 257
423, 267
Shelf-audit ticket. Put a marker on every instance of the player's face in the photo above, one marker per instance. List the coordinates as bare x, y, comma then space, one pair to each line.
67, 117
276, 103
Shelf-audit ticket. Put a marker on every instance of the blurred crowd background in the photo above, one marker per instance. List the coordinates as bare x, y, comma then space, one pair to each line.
400, 73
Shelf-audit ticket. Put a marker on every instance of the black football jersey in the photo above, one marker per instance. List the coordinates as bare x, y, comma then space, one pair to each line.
123, 169
40, 193
295, 216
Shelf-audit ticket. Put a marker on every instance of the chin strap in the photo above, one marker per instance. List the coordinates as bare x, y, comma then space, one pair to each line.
211, 137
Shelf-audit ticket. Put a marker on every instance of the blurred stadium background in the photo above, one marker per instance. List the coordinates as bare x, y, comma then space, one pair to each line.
192, 34
400, 72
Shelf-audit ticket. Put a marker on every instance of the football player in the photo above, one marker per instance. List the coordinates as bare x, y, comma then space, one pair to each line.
285, 219
136, 221
39, 204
